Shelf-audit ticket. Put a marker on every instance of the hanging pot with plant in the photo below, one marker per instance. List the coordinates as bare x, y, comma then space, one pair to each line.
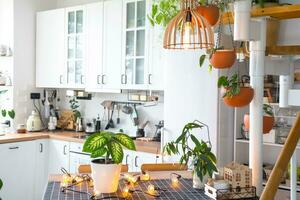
106, 171
199, 153
236, 94
268, 119
210, 12
219, 57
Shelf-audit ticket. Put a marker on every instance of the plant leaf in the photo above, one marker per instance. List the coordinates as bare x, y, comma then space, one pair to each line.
94, 142
195, 140
125, 140
116, 152
11, 114
98, 153
1, 184
201, 60
3, 112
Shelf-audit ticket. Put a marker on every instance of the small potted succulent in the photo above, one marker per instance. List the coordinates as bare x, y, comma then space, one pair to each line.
268, 119
202, 159
106, 149
236, 94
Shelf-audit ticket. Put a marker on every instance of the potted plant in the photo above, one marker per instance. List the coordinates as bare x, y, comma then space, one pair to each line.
268, 119
236, 94
219, 58
199, 153
106, 149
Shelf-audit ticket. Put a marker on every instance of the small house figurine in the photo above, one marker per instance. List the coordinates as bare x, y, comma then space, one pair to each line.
237, 175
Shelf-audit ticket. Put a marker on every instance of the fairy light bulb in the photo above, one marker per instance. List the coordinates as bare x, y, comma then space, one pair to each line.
151, 189
174, 181
126, 191
188, 30
145, 177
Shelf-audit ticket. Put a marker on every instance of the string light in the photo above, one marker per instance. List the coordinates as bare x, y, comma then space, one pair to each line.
145, 177
151, 189
175, 179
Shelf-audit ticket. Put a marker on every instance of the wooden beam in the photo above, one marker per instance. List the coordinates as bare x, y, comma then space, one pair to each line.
283, 50
278, 12
282, 162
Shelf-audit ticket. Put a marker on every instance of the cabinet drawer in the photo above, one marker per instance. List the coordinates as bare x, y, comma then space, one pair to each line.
76, 147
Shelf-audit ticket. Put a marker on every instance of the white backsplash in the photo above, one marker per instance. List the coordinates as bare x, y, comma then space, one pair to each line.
92, 108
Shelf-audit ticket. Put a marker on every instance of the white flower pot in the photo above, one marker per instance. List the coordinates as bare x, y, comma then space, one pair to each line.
105, 177
197, 183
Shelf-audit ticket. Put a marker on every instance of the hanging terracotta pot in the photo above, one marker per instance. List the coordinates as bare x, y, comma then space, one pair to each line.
210, 13
268, 123
223, 58
241, 99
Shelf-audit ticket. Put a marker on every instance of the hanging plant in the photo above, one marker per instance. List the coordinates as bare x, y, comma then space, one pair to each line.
268, 119
236, 94
262, 3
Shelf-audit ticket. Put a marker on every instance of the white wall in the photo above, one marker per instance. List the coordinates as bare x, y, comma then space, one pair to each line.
24, 53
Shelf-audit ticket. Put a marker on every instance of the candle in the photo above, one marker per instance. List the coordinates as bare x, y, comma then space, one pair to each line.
151, 189
145, 177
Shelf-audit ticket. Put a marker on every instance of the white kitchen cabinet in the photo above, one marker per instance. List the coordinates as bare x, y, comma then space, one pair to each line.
104, 46
77, 157
50, 49
17, 170
58, 156
75, 51
142, 48
135, 159
41, 167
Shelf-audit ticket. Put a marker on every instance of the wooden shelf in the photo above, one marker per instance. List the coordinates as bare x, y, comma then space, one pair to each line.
265, 143
279, 12
283, 50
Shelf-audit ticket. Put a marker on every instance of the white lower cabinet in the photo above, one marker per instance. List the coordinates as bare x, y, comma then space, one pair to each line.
77, 157
58, 156
41, 167
135, 159
17, 170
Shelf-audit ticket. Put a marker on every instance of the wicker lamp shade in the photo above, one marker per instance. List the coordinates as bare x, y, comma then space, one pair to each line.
188, 29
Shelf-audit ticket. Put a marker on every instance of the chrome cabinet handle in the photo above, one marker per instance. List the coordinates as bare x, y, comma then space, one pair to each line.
11, 148
126, 160
41, 148
125, 78
98, 79
103, 79
61, 79
150, 79
81, 79
135, 161
122, 78
65, 152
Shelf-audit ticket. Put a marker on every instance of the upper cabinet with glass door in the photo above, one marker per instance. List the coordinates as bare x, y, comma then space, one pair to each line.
75, 53
135, 54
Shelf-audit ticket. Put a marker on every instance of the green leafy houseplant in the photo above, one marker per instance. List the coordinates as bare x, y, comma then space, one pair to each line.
74, 106
208, 55
203, 160
231, 85
268, 110
109, 145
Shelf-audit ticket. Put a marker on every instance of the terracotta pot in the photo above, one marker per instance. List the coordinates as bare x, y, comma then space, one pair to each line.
268, 123
222, 59
210, 13
242, 99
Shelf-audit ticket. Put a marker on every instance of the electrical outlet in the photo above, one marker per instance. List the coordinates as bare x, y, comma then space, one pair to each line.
35, 95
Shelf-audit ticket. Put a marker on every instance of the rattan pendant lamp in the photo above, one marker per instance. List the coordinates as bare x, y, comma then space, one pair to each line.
188, 29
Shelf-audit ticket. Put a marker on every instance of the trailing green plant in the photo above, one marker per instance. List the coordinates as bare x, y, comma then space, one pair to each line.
203, 160
11, 113
109, 145
268, 110
74, 105
231, 85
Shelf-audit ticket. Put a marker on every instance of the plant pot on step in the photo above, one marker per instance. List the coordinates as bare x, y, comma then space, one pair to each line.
105, 176
268, 123
210, 12
222, 59
243, 98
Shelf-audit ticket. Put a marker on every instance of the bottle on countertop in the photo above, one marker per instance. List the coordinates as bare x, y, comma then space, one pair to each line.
98, 124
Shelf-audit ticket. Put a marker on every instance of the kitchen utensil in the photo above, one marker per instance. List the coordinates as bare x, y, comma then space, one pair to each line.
118, 118
127, 109
110, 123
140, 131
135, 117
159, 127
90, 127
98, 124
34, 122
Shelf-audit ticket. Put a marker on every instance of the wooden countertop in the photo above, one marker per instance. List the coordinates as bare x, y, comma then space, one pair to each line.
69, 136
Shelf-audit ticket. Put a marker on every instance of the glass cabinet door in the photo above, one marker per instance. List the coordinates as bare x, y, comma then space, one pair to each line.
75, 47
135, 39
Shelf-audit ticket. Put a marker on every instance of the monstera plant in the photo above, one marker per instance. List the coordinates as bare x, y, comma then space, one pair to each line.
106, 149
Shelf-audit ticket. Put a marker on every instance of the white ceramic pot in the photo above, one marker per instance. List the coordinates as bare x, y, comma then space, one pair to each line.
105, 177
197, 183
